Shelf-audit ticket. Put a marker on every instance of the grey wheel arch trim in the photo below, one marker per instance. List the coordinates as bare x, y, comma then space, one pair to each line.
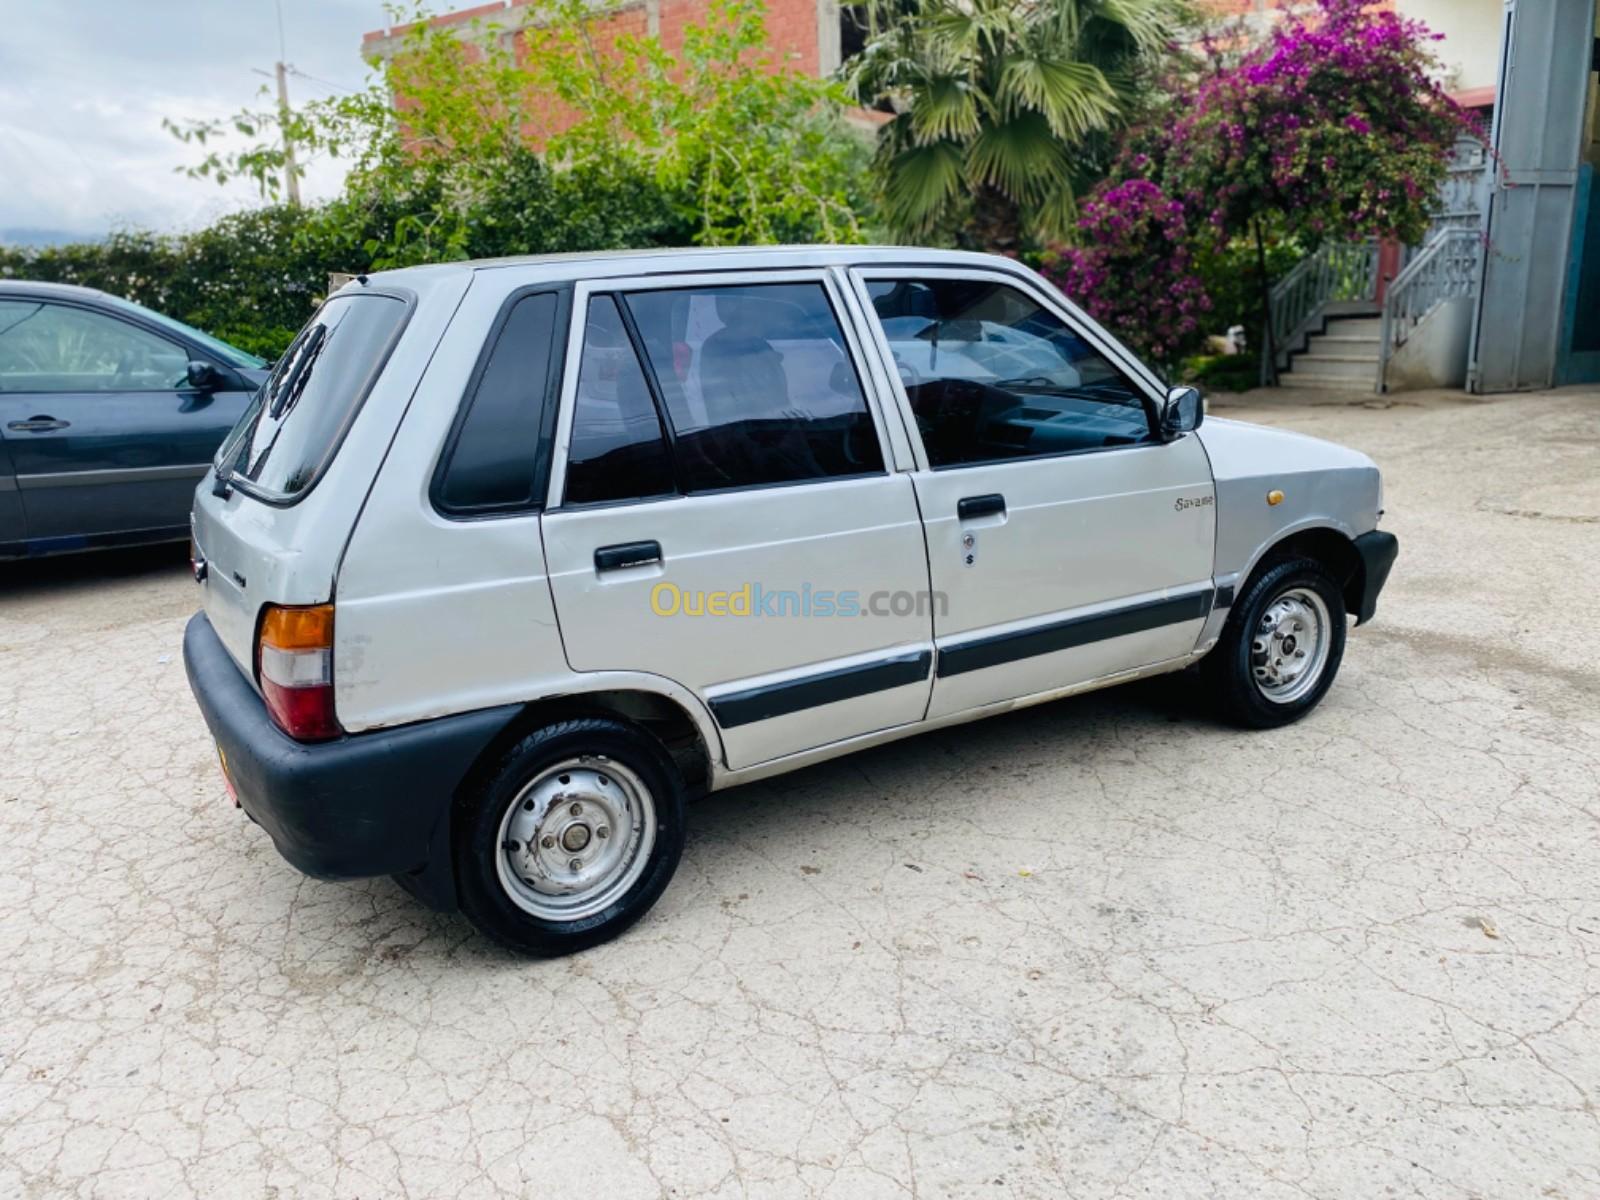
1280, 536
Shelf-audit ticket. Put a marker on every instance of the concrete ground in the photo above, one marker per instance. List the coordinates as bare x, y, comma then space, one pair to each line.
1101, 948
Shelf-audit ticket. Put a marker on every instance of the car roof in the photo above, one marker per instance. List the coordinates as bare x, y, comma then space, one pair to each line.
601, 264
61, 291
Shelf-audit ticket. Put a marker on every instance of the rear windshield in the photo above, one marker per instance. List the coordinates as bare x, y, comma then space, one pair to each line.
293, 427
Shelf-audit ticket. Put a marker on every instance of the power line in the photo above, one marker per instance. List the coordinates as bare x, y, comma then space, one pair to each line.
327, 83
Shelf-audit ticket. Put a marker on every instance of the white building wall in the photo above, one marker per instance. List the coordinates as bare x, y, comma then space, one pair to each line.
1470, 51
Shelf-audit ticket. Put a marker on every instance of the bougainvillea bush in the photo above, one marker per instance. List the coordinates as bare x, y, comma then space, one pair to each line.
1133, 231
1332, 127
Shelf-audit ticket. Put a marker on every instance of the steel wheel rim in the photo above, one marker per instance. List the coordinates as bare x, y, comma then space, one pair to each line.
1290, 644
575, 839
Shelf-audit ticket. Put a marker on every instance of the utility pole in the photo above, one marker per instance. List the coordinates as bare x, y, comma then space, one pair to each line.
291, 180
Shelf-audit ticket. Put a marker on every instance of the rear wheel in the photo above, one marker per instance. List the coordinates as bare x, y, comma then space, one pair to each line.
1281, 646
573, 837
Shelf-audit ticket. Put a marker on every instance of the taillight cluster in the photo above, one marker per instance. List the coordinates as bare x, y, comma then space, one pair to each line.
294, 662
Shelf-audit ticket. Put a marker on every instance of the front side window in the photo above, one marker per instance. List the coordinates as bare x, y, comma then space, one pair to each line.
229, 354
757, 383
298, 418
48, 347
992, 375
617, 450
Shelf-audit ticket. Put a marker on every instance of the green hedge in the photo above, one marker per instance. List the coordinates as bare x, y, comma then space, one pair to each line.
254, 277
248, 279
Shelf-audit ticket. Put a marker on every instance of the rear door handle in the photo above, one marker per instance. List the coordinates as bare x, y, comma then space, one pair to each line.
970, 507
40, 424
627, 554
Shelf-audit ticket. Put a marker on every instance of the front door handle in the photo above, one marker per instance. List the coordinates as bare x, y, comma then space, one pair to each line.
39, 424
971, 507
627, 554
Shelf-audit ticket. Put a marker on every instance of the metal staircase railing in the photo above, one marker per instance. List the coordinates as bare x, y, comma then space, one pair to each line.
1445, 269
1338, 271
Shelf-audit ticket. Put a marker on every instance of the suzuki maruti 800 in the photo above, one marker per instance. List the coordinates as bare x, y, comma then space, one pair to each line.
508, 559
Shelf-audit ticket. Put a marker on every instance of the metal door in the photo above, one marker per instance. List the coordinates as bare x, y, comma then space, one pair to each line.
12, 529
1052, 570
1546, 58
796, 612
104, 435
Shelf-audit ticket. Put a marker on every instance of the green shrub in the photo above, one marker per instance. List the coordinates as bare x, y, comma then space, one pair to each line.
1223, 372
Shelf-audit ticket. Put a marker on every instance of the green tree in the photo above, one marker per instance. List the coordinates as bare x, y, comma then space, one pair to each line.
1331, 127
437, 130
750, 150
715, 144
996, 104
1334, 127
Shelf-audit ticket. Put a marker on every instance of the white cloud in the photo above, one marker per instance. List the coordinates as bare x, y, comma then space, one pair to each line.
84, 86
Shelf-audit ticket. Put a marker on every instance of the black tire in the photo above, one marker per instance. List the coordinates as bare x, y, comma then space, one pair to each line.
598, 742
1229, 671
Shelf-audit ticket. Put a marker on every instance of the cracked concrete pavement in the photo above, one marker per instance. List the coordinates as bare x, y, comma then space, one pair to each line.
1100, 948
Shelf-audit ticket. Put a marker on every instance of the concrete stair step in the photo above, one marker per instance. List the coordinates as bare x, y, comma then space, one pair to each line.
1320, 352
1354, 327
1327, 383
1351, 309
1335, 368
1349, 339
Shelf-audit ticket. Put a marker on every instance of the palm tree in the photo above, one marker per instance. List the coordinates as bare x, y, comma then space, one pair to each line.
993, 102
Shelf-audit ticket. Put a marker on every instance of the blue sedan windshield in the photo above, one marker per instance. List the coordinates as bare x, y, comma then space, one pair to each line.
231, 355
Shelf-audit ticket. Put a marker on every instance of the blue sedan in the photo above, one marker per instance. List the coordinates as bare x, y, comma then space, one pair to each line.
109, 413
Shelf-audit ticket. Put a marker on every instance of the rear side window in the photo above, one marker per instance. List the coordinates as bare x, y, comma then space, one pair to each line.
496, 461
757, 383
618, 449
294, 426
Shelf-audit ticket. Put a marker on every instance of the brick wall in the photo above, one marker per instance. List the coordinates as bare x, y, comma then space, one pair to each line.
792, 33
792, 36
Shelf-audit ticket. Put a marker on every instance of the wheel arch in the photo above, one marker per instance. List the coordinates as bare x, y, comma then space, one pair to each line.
1331, 545
689, 737
681, 725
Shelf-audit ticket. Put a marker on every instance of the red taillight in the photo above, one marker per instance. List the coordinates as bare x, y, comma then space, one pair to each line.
294, 662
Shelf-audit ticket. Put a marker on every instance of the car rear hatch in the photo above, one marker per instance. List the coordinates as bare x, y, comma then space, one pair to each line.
247, 555
273, 515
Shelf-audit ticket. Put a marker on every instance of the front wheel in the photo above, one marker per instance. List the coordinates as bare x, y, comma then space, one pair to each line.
1280, 647
573, 837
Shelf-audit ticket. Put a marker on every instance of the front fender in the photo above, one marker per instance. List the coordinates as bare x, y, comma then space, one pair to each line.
1272, 484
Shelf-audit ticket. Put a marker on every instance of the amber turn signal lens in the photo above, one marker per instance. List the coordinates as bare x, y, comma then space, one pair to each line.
308, 628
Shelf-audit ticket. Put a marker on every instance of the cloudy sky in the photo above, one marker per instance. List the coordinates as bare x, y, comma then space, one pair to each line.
84, 85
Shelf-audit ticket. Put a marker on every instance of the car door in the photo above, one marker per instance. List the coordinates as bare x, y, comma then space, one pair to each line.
1066, 542
724, 511
12, 529
104, 433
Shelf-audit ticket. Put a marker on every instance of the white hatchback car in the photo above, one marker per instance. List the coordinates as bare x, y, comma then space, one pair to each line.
509, 558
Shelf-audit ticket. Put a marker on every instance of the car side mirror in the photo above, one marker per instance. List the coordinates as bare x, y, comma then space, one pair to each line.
1182, 413
203, 377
